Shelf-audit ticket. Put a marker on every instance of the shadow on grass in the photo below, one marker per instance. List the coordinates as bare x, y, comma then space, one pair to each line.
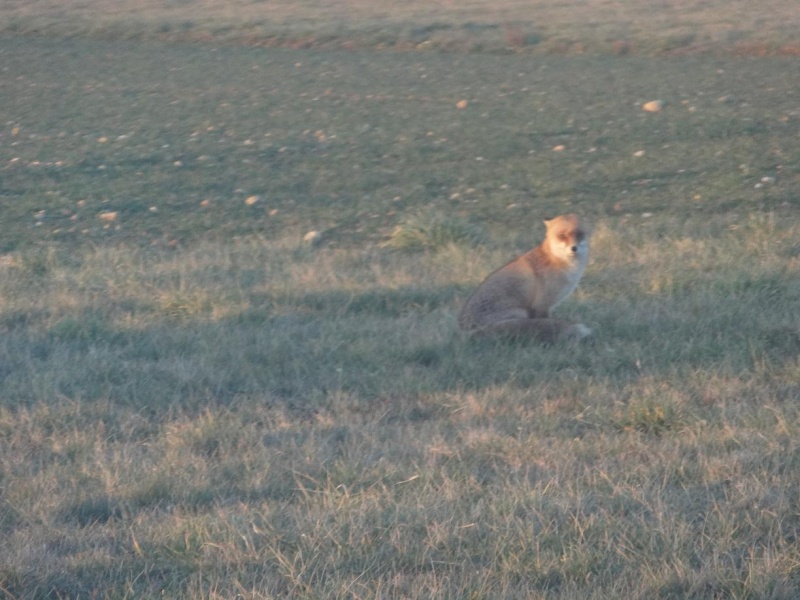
298, 350
144, 578
380, 302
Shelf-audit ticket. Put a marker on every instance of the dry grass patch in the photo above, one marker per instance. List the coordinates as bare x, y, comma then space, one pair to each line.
296, 447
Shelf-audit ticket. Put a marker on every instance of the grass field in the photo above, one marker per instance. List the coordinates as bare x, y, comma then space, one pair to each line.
525, 26
197, 403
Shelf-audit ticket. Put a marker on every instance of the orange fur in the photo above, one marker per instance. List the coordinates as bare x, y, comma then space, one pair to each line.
516, 300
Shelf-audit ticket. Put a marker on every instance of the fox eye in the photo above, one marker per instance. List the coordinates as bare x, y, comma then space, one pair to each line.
562, 236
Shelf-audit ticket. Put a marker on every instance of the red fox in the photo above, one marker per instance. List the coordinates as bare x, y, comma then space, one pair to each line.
516, 300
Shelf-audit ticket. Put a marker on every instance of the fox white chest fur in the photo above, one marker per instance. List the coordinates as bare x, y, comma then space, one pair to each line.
571, 275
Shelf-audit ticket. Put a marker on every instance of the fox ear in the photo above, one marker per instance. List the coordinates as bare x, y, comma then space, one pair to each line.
547, 220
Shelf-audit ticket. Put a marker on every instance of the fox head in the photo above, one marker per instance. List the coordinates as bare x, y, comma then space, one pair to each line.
567, 239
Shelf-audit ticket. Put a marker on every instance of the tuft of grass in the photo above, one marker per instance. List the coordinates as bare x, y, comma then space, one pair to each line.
649, 416
432, 232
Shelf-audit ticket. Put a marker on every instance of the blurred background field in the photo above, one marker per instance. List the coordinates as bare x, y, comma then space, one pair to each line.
574, 26
181, 142
198, 399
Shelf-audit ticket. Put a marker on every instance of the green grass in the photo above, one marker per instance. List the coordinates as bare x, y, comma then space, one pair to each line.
196, 403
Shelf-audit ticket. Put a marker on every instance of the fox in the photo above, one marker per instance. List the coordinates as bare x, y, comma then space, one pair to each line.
515, 301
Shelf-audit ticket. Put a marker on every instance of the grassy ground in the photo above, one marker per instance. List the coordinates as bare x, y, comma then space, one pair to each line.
196, 403
570, 26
